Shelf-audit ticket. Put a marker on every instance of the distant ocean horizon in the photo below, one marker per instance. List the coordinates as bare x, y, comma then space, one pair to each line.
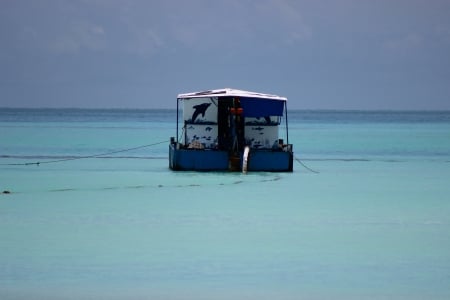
387, 110
354, 114
90, 210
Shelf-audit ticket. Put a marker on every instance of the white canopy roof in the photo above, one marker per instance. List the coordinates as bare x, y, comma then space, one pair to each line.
227, 92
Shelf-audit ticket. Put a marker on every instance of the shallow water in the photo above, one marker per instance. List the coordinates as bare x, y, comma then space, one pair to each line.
373, 223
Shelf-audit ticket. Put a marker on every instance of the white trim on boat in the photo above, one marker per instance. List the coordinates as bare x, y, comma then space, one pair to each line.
230, 92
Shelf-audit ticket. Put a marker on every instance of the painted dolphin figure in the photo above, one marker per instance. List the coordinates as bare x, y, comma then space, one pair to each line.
200, 109
267, 119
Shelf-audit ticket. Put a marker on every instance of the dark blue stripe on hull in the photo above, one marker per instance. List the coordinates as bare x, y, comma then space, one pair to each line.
215, 160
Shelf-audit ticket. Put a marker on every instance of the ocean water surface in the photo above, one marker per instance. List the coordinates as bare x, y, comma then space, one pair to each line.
93, 211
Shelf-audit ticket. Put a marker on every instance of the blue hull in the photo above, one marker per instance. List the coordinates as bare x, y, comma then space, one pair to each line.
270, 161
216, 160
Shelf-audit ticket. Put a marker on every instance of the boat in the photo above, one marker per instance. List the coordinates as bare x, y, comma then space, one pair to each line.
230, 130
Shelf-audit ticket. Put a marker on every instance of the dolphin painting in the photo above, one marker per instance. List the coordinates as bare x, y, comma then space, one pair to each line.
267, 119
200, 109
259, 128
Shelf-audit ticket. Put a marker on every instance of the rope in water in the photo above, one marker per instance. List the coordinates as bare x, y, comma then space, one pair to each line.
305, 166
82, 157
115, 152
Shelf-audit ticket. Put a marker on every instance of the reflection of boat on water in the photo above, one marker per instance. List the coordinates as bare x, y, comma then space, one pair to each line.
232, 130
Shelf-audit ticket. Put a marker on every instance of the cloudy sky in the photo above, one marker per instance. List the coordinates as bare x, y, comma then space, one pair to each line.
323, 54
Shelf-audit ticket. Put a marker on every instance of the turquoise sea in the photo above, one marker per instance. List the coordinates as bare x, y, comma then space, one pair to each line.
91, 221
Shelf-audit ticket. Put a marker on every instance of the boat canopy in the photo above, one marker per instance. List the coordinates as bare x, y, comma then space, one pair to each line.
253, 104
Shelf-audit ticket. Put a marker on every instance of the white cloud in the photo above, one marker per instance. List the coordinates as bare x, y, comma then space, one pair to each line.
135, 26
291, 22
143, 41
443, 33
405, 42
79, 35
237, 23
146, 27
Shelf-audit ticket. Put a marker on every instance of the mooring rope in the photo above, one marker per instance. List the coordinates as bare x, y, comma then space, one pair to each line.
82, 157
115, 152
305, 166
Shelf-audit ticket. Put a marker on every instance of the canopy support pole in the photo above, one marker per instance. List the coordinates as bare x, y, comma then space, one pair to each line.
178, 100
287, 129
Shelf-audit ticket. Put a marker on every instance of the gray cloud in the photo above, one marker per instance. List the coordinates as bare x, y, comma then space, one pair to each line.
327, 54
78, 35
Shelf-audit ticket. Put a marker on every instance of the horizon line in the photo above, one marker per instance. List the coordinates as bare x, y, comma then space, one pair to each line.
291, 109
